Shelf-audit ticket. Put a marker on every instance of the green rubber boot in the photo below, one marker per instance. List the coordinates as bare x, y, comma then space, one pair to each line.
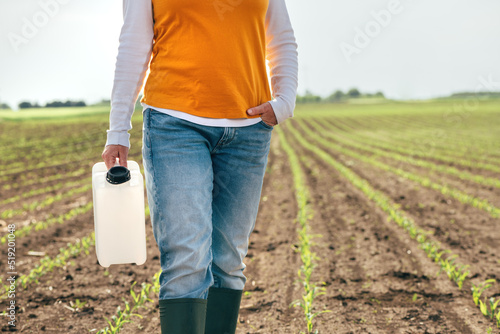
183, 315
223, 308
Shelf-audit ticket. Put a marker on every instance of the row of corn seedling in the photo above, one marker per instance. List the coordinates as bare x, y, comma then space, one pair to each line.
463, 175
6, 176
453, 148
41, 191
52, 152
62, 218
453, 140
26, 181
424, 146
122, 317
19, 144
428, 154
463, 197
420, 125
44, 179
22, 175
455, 271
38, 205
307, 256
47, 264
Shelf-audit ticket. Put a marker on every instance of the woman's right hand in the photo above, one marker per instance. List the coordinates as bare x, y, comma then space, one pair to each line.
112, 152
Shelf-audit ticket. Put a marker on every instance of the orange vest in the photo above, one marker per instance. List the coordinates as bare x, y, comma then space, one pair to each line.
208, 57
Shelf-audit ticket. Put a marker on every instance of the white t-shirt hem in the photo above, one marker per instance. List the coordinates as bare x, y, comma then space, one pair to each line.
220, 122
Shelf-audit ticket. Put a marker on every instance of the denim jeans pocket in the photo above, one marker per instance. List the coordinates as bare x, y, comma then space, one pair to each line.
265, 125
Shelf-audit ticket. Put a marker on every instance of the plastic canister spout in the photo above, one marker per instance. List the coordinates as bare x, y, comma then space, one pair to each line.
118, 175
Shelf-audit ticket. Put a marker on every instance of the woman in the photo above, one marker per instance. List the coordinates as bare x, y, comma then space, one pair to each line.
208, 118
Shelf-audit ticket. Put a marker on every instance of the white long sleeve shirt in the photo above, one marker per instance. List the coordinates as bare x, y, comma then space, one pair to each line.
134, 55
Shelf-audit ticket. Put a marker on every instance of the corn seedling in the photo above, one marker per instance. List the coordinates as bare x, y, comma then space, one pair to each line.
477, 290
117, 321
488, 307
77, 304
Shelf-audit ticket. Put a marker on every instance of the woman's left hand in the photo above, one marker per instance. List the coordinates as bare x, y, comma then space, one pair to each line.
267, 113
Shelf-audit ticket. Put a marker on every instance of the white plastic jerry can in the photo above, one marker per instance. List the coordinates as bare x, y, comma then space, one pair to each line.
119, 216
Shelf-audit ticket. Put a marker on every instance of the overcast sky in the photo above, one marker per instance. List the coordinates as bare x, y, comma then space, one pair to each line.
407, 48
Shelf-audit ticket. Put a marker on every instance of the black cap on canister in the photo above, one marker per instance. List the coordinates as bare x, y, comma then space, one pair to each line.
118, 175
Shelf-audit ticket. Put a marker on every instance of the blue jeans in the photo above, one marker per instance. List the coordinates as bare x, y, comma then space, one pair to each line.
204, 185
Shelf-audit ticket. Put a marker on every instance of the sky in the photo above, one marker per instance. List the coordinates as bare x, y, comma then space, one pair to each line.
408, 49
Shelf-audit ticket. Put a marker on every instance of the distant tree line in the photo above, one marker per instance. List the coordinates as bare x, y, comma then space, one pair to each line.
4, 106
54, 104
492, 95
337, 96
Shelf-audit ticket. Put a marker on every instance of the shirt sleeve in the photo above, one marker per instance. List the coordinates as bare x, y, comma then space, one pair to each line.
132, 62
281, 52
